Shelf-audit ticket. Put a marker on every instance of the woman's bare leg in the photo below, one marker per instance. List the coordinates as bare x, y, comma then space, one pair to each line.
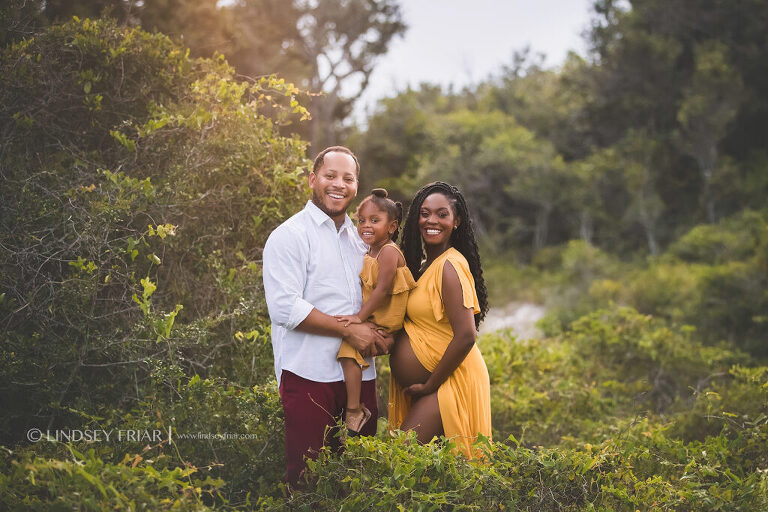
424, 417
424, 414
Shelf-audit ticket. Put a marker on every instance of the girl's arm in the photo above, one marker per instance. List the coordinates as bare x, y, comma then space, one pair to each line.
388, 261
463, 324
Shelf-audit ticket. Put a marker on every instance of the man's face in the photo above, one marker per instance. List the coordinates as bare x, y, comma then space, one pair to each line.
334, 185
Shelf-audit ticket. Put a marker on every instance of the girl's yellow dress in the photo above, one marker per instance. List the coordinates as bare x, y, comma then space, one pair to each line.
391, 313
465, 397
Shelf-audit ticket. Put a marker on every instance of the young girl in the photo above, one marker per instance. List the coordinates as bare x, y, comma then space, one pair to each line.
386, 282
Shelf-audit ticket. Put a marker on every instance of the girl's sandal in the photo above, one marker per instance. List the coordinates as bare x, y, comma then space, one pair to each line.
354, 427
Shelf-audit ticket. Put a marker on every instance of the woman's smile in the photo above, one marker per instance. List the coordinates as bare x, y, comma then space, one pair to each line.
437, 220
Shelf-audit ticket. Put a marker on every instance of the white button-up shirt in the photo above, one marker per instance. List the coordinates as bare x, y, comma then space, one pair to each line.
308, 264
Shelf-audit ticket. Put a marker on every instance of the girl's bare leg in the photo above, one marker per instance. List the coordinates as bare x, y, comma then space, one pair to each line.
353, 379
424, 417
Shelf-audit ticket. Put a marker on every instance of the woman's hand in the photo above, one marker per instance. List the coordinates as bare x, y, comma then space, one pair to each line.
419, 390
348, 319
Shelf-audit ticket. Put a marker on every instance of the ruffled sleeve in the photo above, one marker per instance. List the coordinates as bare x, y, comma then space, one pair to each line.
435, 285
403, 280
369, 273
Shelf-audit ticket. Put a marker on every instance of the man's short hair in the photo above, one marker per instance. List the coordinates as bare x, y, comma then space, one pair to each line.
340, 149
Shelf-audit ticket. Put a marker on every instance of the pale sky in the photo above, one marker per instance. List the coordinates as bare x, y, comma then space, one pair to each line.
461, 42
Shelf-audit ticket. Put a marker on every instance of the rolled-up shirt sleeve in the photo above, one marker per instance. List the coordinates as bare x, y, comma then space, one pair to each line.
285, 274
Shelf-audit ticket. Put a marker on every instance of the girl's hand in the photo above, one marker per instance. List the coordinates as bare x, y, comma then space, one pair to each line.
348, 319
419, 390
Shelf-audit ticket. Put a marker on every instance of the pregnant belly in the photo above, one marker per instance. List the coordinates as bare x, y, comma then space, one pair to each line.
406, 368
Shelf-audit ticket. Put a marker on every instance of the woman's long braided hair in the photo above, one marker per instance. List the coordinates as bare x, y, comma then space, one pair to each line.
462, 238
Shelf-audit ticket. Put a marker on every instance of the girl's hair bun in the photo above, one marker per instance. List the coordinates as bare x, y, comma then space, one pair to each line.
379, 192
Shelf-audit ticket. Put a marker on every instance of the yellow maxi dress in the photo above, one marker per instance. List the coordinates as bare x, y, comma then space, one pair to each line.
465, 397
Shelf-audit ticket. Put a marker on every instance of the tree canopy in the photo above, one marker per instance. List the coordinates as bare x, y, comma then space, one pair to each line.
328, 48
660, 127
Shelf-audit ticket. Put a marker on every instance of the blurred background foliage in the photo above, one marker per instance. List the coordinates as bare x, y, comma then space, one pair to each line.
147, 149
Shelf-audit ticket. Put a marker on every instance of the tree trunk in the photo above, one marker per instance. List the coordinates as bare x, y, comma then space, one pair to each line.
653, 247
586, 229
707, 161
542, 226
323, 133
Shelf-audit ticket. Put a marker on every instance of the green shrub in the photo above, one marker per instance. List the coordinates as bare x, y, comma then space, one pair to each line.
608, 368
640, 469
734, 239
714, 278
85, 482
733, 306
235, 432
139, 186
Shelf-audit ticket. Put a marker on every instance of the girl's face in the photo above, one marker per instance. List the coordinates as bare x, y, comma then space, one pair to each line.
437, 220
374, 225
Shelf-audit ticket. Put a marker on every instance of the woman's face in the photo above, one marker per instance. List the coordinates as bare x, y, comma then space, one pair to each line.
437, 220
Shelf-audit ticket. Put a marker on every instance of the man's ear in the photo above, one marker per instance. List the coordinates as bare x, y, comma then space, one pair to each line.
311, 179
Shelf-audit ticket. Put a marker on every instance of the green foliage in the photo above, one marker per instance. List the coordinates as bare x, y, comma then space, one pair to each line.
734, 239
478, 151
713, 279
229, 432
607, 368
656, 130
618, 411
642, 469
139, 186
227, 444
83, 481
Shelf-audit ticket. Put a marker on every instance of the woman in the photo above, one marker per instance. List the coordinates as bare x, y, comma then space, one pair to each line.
439, 382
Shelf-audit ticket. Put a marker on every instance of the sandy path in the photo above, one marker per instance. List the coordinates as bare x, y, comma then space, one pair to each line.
521, 317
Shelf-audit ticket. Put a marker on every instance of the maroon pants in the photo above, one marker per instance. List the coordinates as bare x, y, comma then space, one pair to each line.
311, 411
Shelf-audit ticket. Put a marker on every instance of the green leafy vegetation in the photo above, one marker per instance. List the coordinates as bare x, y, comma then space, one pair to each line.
624, 192
132, 232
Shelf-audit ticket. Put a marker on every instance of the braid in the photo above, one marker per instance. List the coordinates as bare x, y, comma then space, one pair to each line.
462, 239
398, 218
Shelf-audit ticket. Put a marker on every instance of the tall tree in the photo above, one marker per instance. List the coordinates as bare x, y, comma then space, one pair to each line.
341, 40
329, 47
687, 71
637, 153
708, 106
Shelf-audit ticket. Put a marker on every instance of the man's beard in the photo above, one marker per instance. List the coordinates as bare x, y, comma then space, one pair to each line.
317, 199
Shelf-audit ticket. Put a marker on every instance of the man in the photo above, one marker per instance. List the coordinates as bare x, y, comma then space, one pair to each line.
311, 268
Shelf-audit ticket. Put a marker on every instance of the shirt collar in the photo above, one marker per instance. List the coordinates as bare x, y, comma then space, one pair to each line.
319, 216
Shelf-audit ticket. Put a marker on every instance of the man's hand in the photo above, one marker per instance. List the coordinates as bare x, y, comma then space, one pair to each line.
362, 337
369, 339
383, 342
348, 319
